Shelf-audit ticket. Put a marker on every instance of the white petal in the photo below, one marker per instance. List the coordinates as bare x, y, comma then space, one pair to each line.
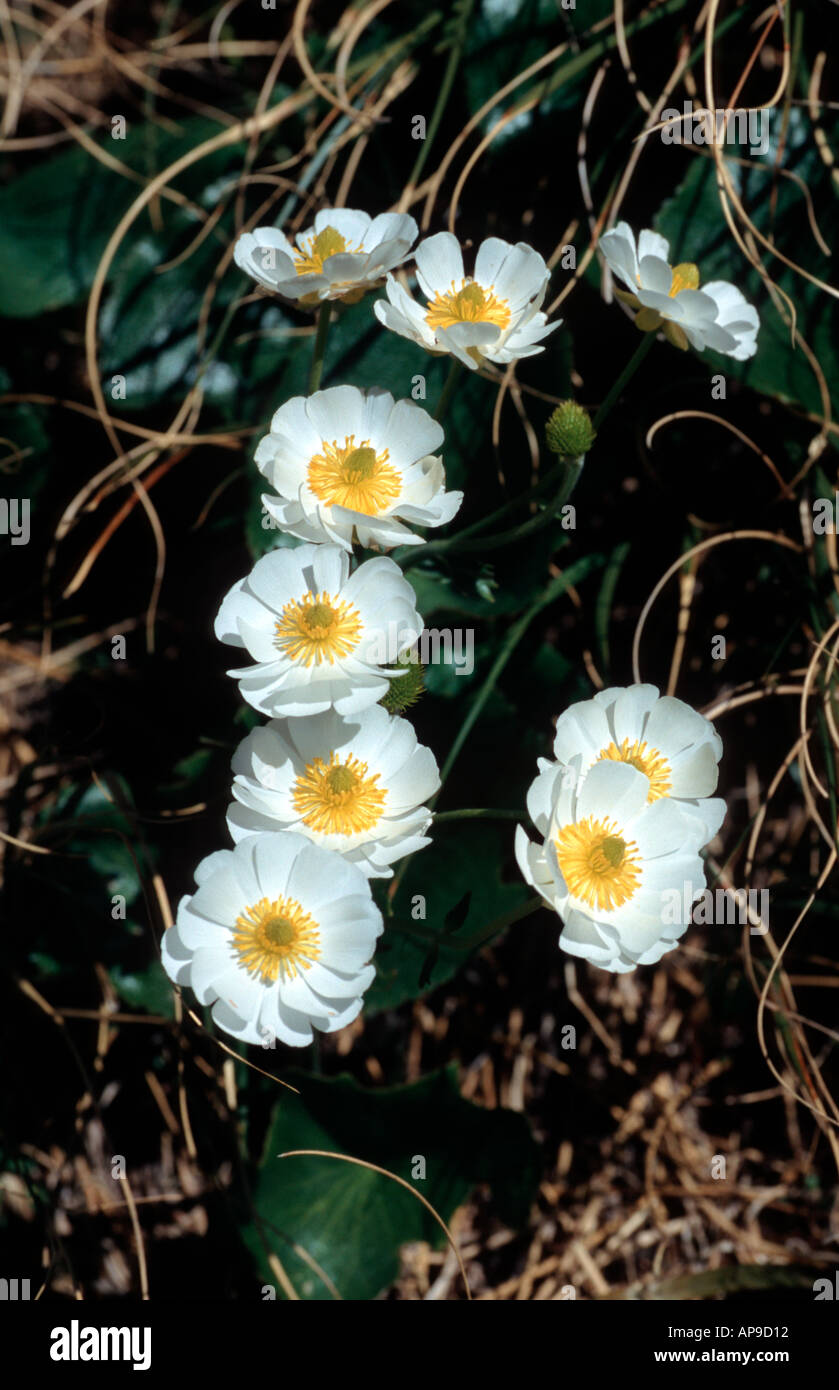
582, 728
614, 790
618, 246
673, 726
695, 772
439, 264
336, 413
653, 244
630, 710
655, 274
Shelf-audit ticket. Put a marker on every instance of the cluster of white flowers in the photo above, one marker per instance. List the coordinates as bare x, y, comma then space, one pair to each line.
494, 315
623, 812
330, 793
332, 790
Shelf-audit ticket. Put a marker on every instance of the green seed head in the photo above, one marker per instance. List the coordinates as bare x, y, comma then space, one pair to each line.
329, 242
568, 431
279, 931
361, 462
341, 779
318, 616
613, 848
404, 690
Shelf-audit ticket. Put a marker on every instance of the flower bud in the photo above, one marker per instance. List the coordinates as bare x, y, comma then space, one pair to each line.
568, 431
404, 690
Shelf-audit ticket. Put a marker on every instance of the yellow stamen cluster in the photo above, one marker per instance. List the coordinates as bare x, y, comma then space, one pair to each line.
317, 629
338, 798
276, 939
685, 277
600, 867
354, 476
470, 304
329, 242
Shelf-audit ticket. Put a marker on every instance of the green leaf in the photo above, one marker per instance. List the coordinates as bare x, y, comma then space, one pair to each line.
102, 832
352, 1221
98, 855
25, 447
464, 857
148, 989
57, 217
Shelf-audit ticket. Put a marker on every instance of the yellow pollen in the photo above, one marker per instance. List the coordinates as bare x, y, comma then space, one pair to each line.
600, 867
318, 249
317, 628
685, 277
276, 939
647, 760
338, 798
354, 476
470, 304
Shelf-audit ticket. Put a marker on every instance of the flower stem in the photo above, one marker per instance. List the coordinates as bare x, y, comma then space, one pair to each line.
556, 587
568, 471
471, 813
316, 369
455, 55
571, 470
455, 368
647, 340
409, 555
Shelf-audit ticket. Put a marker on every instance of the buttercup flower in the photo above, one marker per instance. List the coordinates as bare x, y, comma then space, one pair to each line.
352, 785
278, 938
347, 462
341, 256
495, 315
612, 863
715, 316
674, 746
319, 635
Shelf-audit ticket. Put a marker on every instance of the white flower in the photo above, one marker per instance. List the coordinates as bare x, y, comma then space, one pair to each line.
341, 256
277, 938
320, 636
352, 785
716, 316
346, 461
672, 744
621, 871
496, 315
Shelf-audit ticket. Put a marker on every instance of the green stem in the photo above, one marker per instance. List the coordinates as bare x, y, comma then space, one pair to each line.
316, 369
488, 813
556, 587
410, 555
647, 340
455, 368
442, 96
572, 469
568, 470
